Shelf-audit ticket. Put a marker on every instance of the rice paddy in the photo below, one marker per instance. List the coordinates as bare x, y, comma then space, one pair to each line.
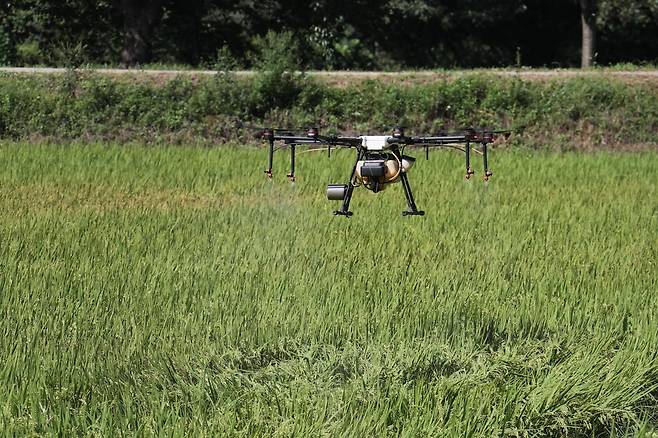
175, 291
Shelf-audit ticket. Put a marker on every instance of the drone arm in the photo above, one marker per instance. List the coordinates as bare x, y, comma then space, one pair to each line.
346, 142
293, 140
451, 141
332, 141
436, 141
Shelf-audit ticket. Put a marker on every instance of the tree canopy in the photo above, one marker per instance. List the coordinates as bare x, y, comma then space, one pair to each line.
336, 34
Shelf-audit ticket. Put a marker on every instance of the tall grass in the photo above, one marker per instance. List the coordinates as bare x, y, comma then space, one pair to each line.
176, 291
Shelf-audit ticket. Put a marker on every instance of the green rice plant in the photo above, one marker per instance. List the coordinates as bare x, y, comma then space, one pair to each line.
176, 291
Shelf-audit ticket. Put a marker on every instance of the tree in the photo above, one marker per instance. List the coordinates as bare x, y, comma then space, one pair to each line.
588, 31
627, 31
339, 34
6, 46
139, 19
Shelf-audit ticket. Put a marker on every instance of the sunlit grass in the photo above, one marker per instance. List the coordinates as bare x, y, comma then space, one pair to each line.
176, 290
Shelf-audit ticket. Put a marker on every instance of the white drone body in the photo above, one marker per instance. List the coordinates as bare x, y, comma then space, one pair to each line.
375, 142
379, 169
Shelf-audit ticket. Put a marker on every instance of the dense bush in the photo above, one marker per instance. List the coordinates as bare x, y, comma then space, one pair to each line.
566, 113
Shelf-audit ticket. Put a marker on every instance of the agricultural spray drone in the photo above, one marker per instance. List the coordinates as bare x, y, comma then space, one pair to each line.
380, 160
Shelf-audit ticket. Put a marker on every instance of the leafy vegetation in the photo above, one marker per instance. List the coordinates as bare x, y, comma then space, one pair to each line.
163, 291
337, 34
588, 112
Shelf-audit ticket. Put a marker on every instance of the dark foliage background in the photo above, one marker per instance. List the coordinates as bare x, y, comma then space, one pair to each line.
337, 34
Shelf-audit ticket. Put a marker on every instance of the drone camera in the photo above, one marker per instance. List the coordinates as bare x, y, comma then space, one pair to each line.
336, 192
373, 168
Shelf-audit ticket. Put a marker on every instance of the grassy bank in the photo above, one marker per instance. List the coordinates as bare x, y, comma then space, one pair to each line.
587, 113
175, 290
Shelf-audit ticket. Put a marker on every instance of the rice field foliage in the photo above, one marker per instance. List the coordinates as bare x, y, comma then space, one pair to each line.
176, 291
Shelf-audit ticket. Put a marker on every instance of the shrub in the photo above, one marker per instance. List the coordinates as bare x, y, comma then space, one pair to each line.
580, 111
278, 82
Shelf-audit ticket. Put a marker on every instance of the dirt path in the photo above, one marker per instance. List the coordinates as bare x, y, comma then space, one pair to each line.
344, 77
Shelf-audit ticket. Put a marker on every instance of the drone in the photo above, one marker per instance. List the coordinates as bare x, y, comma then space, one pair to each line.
380, 161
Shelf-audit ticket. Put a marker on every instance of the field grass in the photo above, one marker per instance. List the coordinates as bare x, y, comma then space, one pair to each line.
175, 291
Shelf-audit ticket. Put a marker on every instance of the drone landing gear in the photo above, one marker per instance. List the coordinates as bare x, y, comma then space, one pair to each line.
291, 175
487, 173
469, 171
345, 207
270, 153
349, 189
411, 210
343, 213
344, 192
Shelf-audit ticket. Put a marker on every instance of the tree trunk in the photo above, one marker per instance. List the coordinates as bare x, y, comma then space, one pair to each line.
588, 25
139, 19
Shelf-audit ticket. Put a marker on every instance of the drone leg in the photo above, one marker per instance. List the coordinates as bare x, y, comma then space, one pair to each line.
412, 210
487, 172
469, 171
268, 172
291, 175
345, 207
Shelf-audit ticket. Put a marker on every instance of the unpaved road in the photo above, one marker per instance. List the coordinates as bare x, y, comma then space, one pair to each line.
344, 77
